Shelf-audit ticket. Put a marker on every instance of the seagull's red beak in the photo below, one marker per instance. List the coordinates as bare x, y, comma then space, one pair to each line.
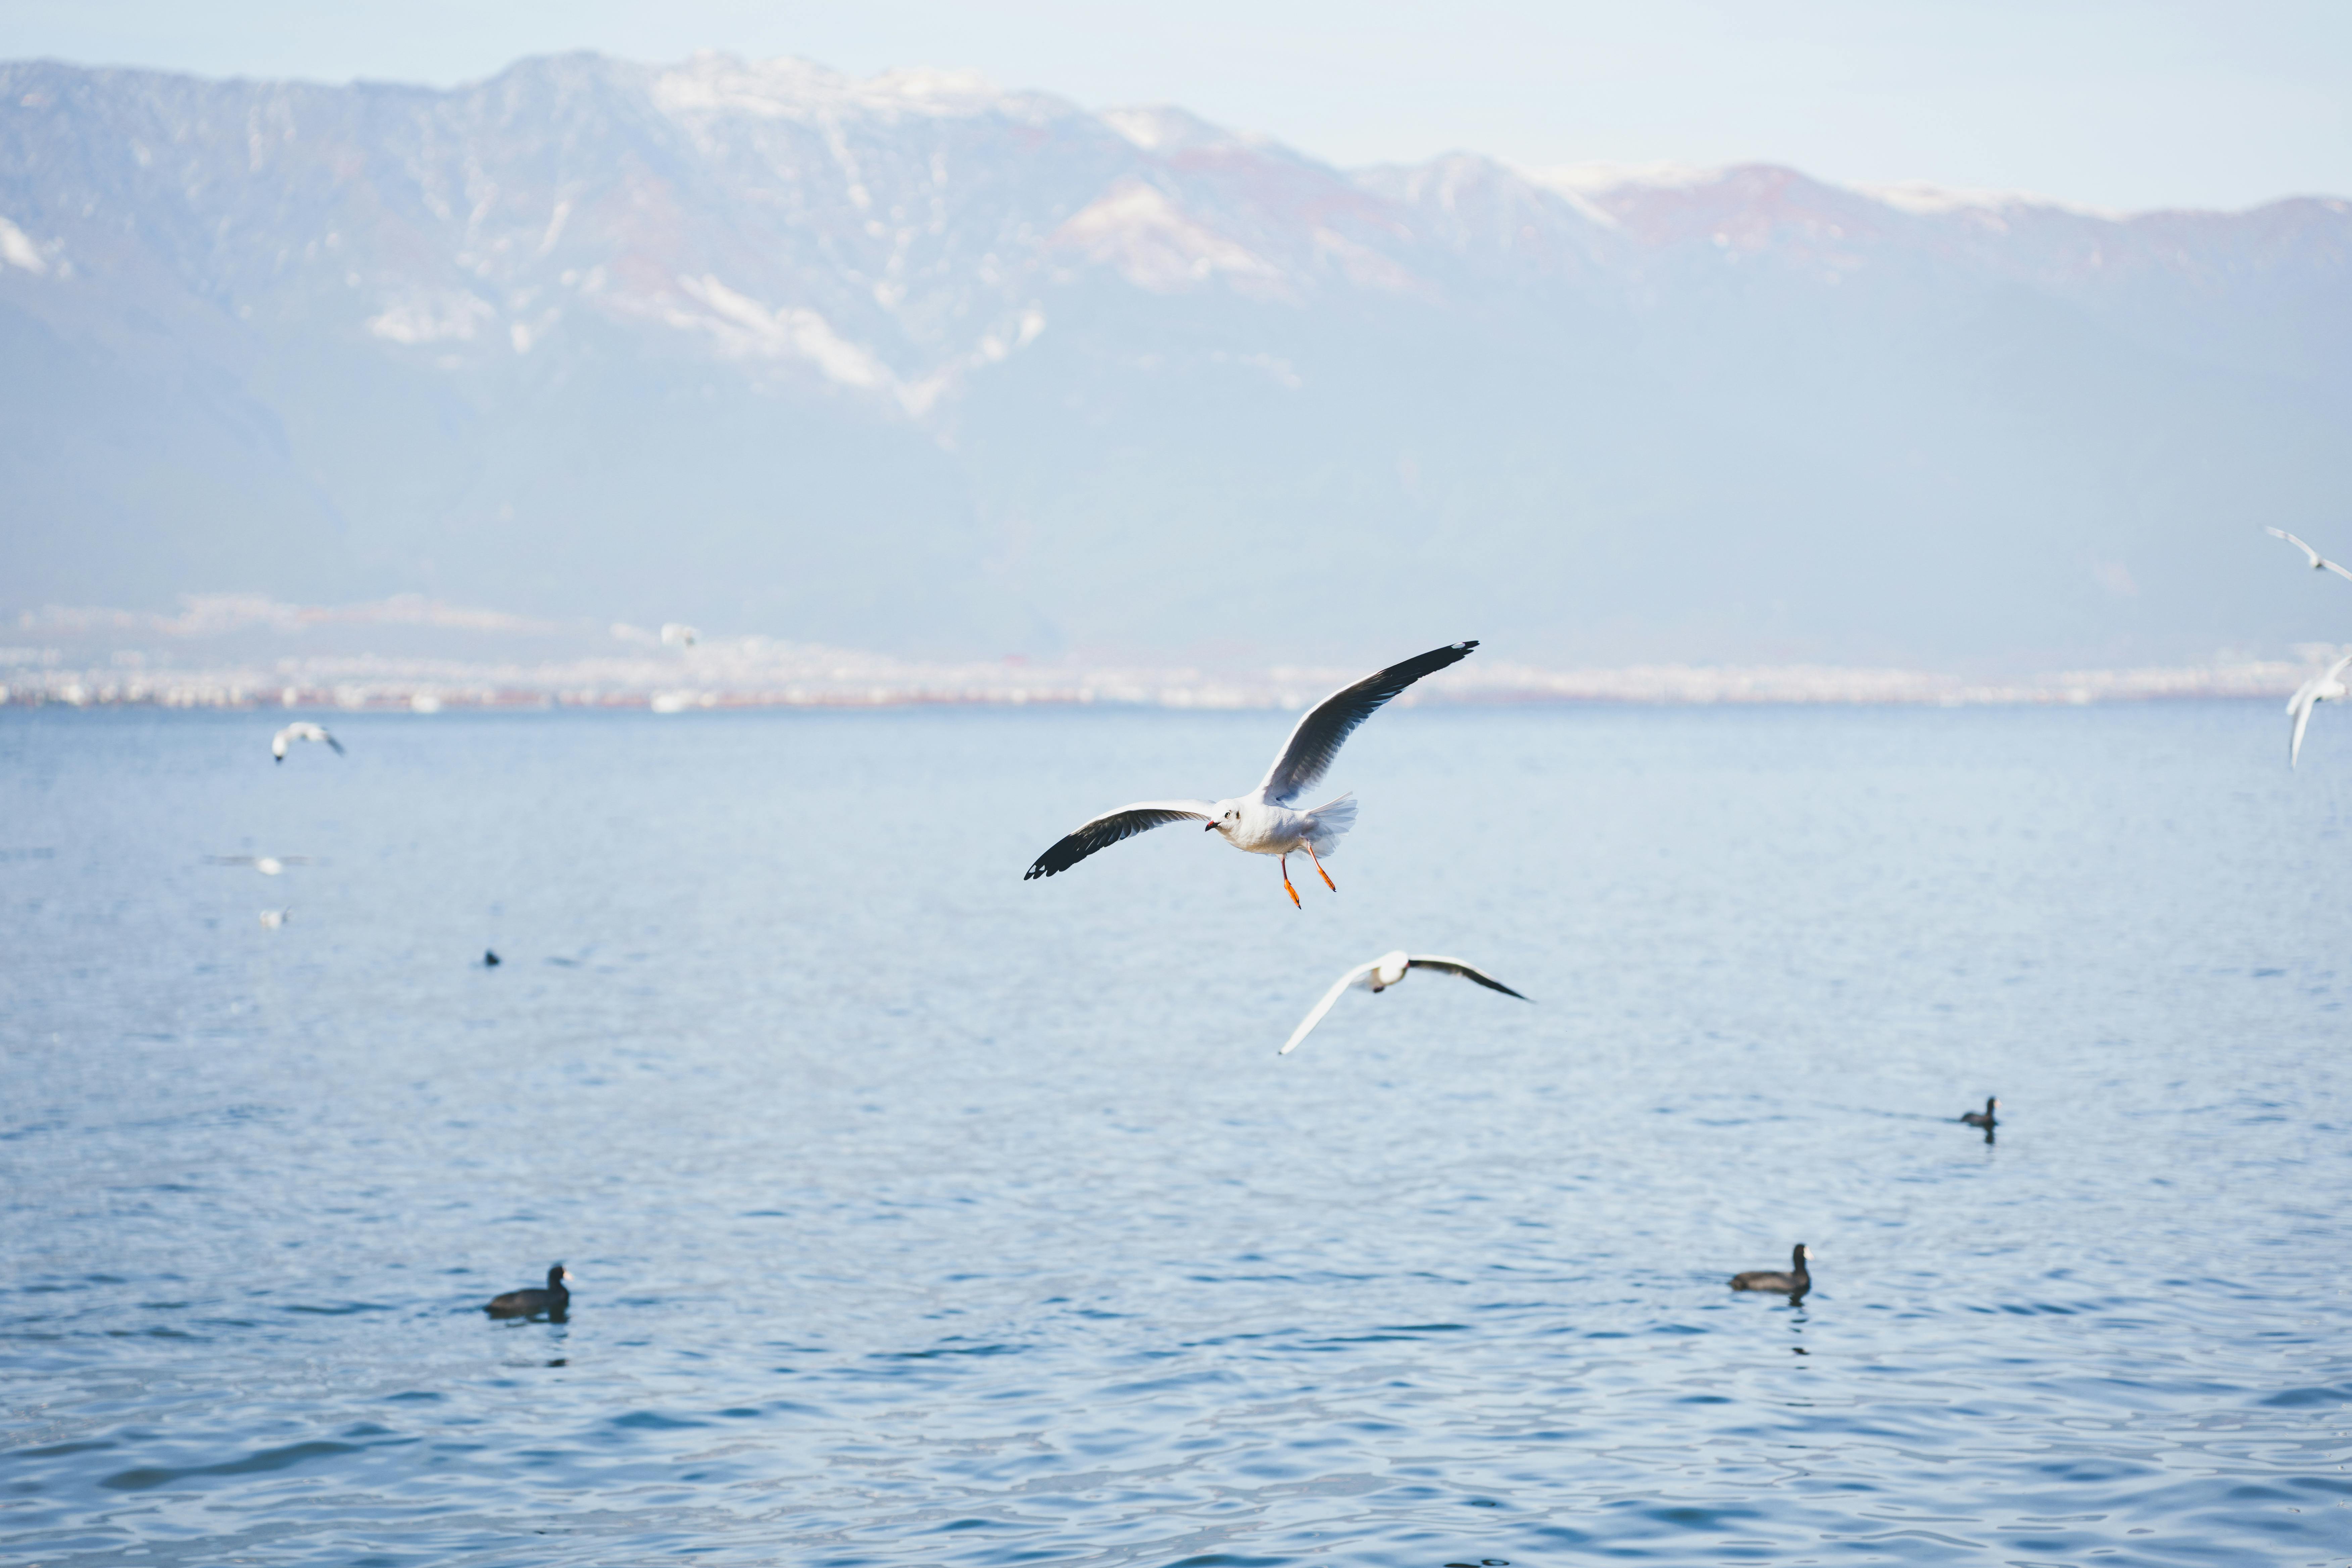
1211, 828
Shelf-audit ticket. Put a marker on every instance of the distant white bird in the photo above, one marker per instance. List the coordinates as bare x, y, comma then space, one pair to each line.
2318, 562
673, 634
272, 918
268, 865
292, 732
1381, 972
2327, 688
1264, 821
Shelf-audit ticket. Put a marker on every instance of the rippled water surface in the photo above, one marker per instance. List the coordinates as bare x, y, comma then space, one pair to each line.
926, 1215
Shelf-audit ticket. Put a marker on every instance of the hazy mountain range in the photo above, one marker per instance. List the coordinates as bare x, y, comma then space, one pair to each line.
918, 365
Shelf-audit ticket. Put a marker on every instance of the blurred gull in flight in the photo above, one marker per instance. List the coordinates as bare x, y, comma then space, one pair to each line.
1381, 972
268, 865
2318, 562
277, 742
675, 635
272, 918
1265, 821
2327, 688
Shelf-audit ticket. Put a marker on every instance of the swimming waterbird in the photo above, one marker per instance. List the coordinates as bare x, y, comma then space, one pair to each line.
553, 1301
1792, 1284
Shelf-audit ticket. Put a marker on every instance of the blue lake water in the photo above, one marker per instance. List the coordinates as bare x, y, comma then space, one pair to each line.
922, 1215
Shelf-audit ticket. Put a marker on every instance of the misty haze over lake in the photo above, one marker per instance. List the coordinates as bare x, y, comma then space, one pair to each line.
922, 367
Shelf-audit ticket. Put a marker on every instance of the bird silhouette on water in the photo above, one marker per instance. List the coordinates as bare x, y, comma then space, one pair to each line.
553, 1302
1792, 1284
489, 959
1984, 1119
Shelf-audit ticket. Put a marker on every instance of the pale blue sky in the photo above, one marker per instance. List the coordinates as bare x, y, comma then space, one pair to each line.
2129, 105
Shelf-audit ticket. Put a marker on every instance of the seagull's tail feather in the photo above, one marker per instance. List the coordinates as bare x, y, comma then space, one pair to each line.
1332, 820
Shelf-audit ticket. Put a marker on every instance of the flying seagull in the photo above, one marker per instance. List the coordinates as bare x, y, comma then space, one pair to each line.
2318, 562
278, 742
272, 918
676, 634
2327, 688
1381, 972
268, 865
1265, 821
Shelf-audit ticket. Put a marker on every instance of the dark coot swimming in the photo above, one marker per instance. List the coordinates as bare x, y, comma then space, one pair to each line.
552, 1300
489, 959
1795, 1282
1984, 1118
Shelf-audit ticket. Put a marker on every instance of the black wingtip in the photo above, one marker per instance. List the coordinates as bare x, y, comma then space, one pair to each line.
1466, 646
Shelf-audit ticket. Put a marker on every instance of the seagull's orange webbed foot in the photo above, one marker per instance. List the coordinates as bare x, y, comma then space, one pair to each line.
1318, 869
1286, 883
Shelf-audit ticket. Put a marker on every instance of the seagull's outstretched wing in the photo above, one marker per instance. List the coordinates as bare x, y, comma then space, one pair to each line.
2316, 558
1307, 754
2307, 695
1307, 1025
2318, 562
336, 745
1113, 825
1456, 966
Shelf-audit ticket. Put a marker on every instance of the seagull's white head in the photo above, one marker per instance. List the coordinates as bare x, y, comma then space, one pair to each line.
1224, 817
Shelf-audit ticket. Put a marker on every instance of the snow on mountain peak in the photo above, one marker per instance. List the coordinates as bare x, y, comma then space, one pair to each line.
1164, 127
788, 88
1599, 179
1931, 200
1156, 247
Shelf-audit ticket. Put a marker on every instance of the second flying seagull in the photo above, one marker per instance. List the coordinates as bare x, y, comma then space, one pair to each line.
278, 742
1378, 974
1266, 821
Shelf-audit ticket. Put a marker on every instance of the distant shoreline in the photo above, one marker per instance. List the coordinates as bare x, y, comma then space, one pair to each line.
423, 702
